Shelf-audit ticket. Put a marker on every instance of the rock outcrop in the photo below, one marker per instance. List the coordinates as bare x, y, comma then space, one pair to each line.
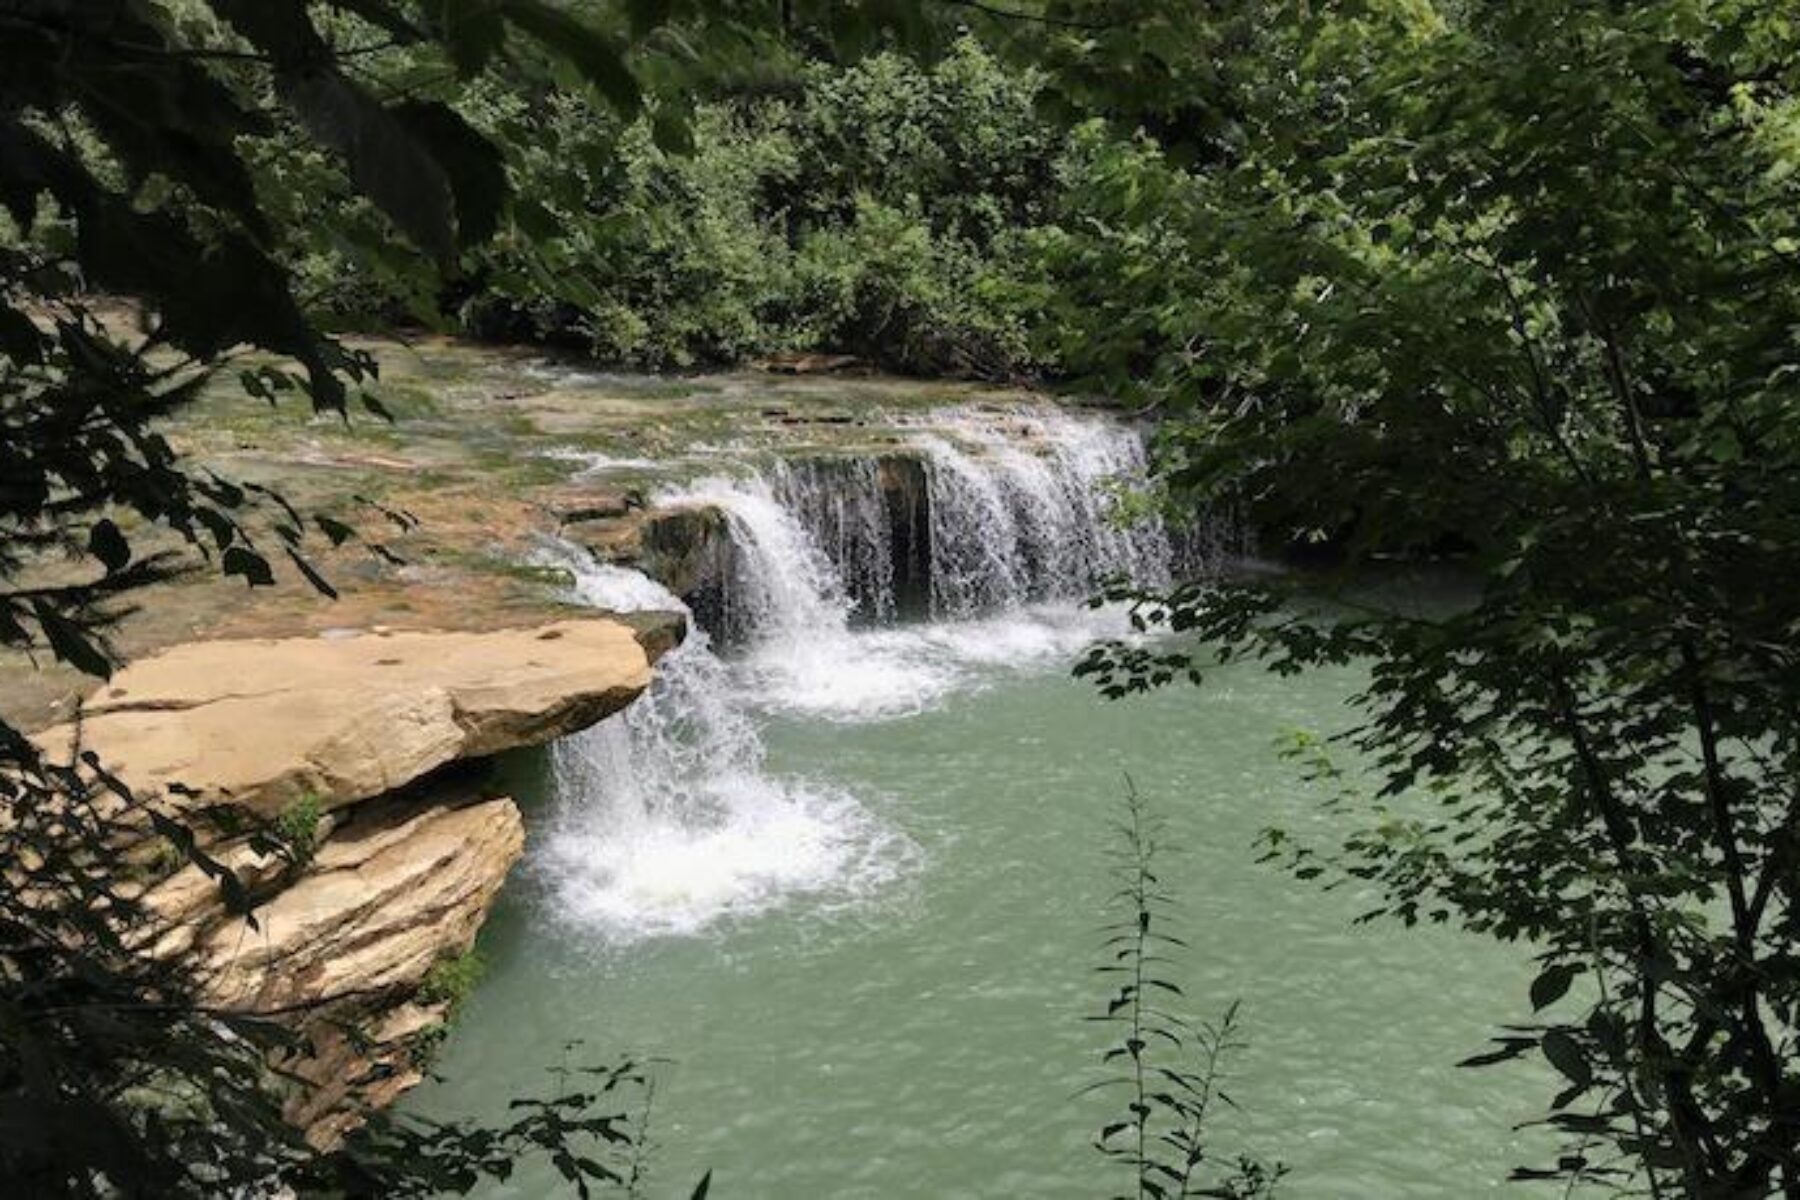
685, 547
356, 750
267, 724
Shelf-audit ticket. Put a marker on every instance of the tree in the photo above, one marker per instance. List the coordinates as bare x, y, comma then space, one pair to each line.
1515, 284
135, 139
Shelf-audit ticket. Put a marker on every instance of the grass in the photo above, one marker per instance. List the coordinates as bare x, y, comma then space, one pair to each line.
297, 826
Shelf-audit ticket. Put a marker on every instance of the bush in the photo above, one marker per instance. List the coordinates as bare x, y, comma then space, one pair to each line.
872, 209
450, 980
297, 826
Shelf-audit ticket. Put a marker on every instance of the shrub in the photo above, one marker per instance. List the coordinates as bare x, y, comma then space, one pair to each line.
297, 826
450, 980
874, 209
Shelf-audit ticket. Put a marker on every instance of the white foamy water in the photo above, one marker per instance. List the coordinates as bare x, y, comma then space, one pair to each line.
667, 820
803, 654
594, 463
881, 674
1023, 508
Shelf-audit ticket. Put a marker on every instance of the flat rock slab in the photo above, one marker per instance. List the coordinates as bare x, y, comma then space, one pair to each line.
264, 724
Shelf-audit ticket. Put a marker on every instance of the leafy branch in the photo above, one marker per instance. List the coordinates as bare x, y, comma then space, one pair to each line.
1168, 1068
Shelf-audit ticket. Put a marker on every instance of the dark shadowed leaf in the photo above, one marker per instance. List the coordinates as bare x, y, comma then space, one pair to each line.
388, 161
69, 642
252, 566
1552, 985
586, 49
107, 544
471, 163
1564, 1053
319, 582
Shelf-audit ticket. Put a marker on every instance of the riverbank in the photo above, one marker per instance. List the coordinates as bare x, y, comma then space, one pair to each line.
483, 458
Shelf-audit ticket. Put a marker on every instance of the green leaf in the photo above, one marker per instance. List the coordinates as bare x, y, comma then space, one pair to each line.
384, 16
472, 32
582, 47
389, 163
1552, 985
20, 340
672, 131
337, 531
1564, 1053
319, 582
469, 161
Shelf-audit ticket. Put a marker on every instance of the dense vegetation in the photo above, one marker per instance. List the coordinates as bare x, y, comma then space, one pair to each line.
1529, 297
886, 209
1514, 282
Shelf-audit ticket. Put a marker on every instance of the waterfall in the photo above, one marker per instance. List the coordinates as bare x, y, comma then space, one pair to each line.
993, 522
791, 610
666, 818
1008, 516
783, 585
841, 504
1023, 508
1014, 506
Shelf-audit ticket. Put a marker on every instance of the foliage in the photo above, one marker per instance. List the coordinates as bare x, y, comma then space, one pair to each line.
450, 980
297, 826
167, 153
875, 208
1163, 1138
1517, 283
589, 1124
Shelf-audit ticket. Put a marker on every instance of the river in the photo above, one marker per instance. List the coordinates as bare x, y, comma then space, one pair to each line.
842, 880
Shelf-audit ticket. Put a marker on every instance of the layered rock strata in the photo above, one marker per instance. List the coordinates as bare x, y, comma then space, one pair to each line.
361, 753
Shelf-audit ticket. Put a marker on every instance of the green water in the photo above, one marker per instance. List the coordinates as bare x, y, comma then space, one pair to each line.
928, 1040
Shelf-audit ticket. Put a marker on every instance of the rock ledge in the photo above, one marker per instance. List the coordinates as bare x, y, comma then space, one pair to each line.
356, 741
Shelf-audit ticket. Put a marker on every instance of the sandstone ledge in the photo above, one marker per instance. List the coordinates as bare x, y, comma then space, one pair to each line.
265, 724
370, 735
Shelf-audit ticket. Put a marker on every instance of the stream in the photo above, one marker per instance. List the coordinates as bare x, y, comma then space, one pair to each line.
841, 873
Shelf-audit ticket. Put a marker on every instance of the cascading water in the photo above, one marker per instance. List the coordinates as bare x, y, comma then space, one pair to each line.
841, 505
1021, 509
666, 816
800, 652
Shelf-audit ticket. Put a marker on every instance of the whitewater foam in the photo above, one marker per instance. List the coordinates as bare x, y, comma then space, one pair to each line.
666, 820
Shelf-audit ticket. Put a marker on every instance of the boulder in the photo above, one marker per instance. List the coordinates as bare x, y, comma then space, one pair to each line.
685, 547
